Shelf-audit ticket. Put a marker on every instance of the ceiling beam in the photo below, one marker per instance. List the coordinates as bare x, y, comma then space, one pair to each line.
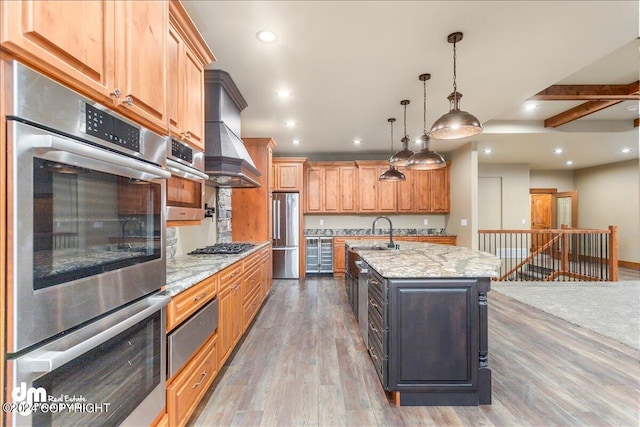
629, 91
578, 112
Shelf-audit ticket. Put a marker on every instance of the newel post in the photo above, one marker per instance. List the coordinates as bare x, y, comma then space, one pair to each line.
613, 253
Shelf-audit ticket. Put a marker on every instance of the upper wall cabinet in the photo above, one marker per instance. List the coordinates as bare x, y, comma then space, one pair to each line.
187, 54
111, 51
287, 173
331, 187
348, 187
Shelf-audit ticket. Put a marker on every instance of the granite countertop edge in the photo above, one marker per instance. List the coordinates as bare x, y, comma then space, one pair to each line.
429, 260
185, 271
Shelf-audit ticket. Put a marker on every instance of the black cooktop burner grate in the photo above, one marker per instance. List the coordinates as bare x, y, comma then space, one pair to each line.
222, 249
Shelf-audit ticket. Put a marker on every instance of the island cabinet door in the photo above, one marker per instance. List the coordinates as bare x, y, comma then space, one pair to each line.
433, 340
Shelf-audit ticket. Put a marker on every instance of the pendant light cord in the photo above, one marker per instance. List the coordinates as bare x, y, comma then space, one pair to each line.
391, 123
405, 119
424, 122
455, 87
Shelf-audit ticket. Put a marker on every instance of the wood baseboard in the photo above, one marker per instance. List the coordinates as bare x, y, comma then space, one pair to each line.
629, 264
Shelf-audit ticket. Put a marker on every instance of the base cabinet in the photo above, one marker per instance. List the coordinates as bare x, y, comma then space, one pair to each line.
428, 339
186, 390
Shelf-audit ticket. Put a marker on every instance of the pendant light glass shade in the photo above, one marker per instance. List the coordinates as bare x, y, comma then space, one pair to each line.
456, 123
400, 158
425, 158
391, 174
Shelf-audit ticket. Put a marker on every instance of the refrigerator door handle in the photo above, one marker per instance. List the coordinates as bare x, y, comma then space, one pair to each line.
274, 215
279, 222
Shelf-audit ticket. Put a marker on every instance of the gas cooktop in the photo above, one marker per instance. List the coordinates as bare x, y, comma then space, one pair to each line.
222, 249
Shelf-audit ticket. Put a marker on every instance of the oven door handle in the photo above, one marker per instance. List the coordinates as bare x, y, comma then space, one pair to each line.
179, 169
49, 361
55, 143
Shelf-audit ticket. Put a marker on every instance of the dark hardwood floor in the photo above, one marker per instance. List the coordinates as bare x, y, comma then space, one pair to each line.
303, 363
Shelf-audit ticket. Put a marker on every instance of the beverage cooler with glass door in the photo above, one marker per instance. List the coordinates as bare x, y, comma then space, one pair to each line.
319, 258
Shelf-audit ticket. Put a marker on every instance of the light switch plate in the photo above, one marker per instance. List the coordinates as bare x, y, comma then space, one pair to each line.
463, 222
322, 222
426, 221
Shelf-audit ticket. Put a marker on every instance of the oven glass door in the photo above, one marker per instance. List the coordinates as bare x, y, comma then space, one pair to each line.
111, 380
86, 222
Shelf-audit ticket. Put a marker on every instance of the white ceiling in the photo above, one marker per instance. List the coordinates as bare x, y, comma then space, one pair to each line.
349, 63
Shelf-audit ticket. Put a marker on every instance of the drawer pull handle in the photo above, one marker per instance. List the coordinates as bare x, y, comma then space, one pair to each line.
373, 328
204, 374
199, 297
373, 303
129, 101
116, 93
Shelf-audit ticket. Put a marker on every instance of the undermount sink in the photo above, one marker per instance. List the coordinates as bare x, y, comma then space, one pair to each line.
373, 247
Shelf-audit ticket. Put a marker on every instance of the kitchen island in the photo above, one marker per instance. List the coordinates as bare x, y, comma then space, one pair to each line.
426, 320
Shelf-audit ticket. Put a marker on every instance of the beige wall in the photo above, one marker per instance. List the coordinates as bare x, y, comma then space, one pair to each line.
464, 195
610, 195
560, 180
365, 221
198, 236
515, 193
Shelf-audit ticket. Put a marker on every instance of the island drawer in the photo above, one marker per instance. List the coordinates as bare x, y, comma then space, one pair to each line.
377, 287
377, 354
375, 316
376, 303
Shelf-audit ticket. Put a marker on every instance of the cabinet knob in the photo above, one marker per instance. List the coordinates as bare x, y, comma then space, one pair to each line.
199, 297
128, 100
116, 93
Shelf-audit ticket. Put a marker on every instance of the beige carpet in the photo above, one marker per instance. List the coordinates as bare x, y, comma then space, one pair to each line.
611, 309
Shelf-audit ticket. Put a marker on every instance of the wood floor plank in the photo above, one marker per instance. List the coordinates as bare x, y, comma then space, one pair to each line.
305, 363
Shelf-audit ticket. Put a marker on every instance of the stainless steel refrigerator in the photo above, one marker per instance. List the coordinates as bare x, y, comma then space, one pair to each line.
286, 235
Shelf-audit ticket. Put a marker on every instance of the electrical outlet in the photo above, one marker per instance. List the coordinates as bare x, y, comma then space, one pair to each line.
322, 222
463, 222
524, 221
426, 221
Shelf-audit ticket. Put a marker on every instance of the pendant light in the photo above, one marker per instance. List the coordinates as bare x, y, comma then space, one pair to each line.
425, 158
455, 124
400, 158
391, 174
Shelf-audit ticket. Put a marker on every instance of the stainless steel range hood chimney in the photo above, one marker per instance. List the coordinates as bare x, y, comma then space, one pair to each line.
226, 159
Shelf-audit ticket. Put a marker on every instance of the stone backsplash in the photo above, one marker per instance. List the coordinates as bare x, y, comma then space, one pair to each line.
379, 231
223, 215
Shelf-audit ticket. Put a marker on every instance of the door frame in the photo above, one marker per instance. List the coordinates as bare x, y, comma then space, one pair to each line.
573, 195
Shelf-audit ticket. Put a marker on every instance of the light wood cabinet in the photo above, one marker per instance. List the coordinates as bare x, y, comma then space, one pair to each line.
230, 317
187, 54
183, 305
133, 198
339, 255
375, 196
251, 220
330, 187
288, 174
113, 52
72, 41
186, 389
407, 192
432, 190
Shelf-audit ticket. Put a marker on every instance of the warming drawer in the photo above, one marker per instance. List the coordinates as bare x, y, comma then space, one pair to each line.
184, 341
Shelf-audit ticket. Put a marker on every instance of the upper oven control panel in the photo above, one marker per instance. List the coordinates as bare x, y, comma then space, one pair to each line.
111, 129
181, 151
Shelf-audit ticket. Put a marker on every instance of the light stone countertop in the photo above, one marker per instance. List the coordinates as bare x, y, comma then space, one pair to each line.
184, 271
419, 260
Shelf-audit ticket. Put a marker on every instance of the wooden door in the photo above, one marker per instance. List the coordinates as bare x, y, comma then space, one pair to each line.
313, 190
564, 209
540, 219
387, 193
193, 111
406, 192
348, 189
367, 189
142, 60
175, 51
71, 40
422, 188
440, 200
331, 193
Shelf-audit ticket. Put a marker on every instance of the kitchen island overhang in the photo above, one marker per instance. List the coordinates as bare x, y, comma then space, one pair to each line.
427, 322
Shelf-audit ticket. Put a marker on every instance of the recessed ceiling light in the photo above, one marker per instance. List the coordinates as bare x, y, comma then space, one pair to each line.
568, 162
266, 36
529, 106
283, 93
357, 141
558, 151
290, 123
295, 141
417, 141
488, 151
625, 150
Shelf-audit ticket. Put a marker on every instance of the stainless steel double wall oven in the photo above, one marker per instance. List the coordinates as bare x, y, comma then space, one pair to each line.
86, 213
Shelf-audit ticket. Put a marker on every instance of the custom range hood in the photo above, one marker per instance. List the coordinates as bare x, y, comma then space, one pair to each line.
226, 159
